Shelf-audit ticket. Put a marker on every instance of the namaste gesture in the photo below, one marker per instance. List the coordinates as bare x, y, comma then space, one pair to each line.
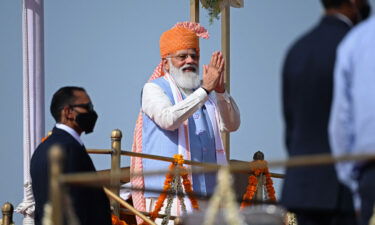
213, 73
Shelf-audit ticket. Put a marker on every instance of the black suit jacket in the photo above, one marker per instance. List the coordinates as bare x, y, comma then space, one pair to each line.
90, 204
307, 80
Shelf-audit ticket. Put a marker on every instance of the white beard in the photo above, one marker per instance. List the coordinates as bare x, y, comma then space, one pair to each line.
185, 80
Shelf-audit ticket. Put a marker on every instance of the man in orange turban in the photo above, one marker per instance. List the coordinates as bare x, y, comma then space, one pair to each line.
182, 115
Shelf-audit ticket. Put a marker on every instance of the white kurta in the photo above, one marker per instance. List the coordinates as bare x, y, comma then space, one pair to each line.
157, 105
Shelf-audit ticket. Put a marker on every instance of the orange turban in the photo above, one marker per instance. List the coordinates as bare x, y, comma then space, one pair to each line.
183, 35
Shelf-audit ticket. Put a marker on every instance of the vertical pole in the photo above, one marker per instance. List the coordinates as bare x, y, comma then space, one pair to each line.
7, 211
33, 94
225, 48
260, 189
115, 168
56, 189
194, 11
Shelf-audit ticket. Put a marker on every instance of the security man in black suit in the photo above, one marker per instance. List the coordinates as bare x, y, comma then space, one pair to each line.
314, 193
73, 111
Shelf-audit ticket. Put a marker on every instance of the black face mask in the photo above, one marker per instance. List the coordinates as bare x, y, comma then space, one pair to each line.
86, 121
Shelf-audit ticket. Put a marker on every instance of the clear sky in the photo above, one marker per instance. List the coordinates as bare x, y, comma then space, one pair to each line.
111, 48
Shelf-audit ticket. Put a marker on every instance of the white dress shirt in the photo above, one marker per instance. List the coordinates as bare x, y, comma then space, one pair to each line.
344, 18
157, 105
71, 131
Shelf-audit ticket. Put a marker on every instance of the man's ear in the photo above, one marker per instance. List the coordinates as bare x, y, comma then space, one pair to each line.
165, 64
67, 113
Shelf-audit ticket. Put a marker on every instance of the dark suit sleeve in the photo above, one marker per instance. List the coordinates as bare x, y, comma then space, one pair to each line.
90, 203
73, 164
286, 102
72, 160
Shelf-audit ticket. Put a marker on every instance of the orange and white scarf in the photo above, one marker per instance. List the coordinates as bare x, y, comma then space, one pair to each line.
183, 140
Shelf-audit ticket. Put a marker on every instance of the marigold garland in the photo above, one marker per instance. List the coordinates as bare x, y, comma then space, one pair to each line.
46, 137
260, 168
178, 163
117, 221
250, 191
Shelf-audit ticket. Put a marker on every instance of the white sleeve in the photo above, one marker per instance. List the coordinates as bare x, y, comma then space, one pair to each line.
341, 123
229, 113
157, 105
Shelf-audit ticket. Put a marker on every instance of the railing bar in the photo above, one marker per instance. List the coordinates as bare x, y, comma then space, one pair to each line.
99, 151
166, 159
316, 160
128, 206
277, 175
128, 212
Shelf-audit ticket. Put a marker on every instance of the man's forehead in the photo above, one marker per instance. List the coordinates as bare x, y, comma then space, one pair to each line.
189, 50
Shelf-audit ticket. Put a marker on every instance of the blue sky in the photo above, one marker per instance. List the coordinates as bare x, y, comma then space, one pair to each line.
111, 48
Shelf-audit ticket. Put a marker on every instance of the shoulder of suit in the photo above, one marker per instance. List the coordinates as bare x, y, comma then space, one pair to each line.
62, 138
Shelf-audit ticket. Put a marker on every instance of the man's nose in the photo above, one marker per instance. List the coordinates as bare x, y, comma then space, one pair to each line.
189, 59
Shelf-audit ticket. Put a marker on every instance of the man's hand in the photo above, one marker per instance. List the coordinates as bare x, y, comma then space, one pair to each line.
213, 78
220, 87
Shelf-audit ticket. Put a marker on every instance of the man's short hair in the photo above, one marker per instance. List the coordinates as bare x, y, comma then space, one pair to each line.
333, 3
63, 97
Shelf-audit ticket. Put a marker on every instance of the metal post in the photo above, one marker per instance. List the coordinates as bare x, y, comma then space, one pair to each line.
260, 189
115, 167
261, 179
225, 48
56, 189
194, 11
7, 211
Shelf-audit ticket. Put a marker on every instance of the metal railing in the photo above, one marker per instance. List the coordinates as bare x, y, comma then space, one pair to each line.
7, 211
113, 177
115, 153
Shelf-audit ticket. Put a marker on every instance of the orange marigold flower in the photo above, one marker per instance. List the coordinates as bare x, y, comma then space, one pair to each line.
114, 219
259, 167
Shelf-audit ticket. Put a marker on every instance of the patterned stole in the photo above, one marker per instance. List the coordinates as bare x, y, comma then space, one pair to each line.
183, 140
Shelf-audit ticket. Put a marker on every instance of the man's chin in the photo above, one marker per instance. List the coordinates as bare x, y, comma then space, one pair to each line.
190, 74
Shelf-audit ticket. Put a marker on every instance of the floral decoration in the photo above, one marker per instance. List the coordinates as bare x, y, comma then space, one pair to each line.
260, 167
178, 163
214, 7
199, 30
117, 221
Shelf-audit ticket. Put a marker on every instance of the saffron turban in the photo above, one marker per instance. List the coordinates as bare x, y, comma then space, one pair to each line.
183, 35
